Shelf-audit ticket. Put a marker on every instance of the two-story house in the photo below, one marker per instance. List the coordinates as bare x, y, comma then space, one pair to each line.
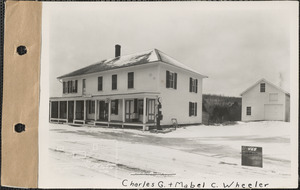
125, 90
265, 101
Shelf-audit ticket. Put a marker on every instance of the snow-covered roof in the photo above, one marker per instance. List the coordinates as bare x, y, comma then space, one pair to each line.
264, 80
140, 58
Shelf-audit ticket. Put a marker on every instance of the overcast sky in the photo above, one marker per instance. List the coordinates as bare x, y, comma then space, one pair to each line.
235, 45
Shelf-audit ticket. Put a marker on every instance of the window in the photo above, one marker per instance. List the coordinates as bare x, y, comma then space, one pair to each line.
193, 85
100, 83
262, 87
273, 97
114, 82
171, 80
248, 110
131, 80
114, 107
70, 86
74, 86
91, 105
65, 87
192, 108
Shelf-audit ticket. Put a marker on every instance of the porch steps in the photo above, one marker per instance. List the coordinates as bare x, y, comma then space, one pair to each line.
90, 123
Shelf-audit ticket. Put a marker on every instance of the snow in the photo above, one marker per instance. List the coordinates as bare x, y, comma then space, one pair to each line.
149, 56
101, 156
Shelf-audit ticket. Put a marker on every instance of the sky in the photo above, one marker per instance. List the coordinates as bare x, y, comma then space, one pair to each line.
234, 44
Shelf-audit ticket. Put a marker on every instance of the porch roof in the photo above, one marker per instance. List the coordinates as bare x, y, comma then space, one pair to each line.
108, 96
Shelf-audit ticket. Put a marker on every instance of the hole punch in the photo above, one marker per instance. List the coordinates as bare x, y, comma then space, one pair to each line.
22, 50
19, 127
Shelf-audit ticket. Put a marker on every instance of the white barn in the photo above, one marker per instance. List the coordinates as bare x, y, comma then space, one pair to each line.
265, 101
124, 90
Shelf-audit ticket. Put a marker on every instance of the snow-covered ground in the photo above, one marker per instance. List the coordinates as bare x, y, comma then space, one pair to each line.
98, 155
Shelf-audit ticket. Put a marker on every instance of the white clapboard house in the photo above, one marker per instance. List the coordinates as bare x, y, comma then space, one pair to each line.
265, 101
125, 90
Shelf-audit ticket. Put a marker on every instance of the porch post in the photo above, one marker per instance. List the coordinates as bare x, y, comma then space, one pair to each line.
84, 110
144, 114
123, 112
74, 110
109, 110
67, 111
96, 110
58, 115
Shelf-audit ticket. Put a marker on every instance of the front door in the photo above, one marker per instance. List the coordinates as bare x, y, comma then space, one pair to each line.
151, 110
128, 110
70, 111
103, 112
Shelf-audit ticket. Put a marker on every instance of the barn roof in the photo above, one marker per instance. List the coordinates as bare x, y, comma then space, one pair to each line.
264, 80
140, 58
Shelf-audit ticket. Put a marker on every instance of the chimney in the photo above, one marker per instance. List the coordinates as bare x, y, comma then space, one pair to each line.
117, 50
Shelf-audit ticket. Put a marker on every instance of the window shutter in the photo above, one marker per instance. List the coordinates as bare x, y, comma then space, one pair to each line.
191, 84
168, 79
72, 90
76, 86
64, 87
195, 108
196, 85
135, 106
69, 86
190, 108
116, 107
175, 80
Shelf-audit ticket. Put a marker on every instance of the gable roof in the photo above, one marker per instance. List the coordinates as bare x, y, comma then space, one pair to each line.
264, 80
129, 60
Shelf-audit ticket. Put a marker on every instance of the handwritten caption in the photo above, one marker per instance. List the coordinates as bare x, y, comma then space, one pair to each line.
191, 184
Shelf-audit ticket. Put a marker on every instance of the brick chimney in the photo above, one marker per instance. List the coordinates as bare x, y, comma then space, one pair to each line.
117, 50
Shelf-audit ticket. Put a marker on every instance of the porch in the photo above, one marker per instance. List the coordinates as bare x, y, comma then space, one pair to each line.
121, 111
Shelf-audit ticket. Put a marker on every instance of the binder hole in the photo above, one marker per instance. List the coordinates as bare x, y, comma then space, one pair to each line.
21, 50
19, 127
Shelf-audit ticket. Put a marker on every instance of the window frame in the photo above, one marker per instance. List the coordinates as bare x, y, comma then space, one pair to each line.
70, 86
248, 110
130, 80
114, 82
193, 106
262, 87
193, 85
171, 79
100, 89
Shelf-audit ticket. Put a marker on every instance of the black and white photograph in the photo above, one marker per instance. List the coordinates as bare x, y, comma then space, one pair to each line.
169, 95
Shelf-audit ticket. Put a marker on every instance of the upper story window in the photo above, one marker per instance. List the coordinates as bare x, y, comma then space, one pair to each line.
171, 80
131, 80
262, 87
193, 85
273, 97
114, 84
70, 86
192, 108
100, 83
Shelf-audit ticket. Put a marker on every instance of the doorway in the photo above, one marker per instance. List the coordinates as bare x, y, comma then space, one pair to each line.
70, 111
103, 112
